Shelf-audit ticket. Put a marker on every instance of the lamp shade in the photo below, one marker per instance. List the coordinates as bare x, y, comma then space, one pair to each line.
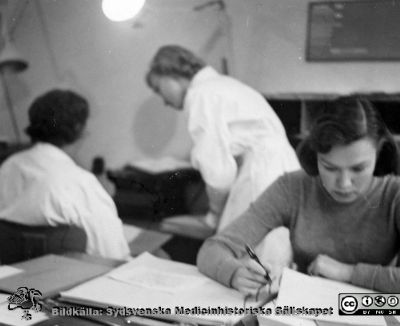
11, 60
120, 10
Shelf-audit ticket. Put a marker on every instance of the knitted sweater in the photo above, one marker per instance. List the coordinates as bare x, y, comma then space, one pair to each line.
365, 233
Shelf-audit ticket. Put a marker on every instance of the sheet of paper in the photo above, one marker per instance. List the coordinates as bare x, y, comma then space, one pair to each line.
3, 297
157, 274
131, 232
6, 270
299, 290
14, 317
195, 292
283, 320
162, 164
157, 280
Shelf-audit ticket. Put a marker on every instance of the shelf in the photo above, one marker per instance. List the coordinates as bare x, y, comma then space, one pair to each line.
374, 96
297, 111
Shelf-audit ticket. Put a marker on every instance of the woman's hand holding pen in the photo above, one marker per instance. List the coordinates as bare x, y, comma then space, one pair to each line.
249, 278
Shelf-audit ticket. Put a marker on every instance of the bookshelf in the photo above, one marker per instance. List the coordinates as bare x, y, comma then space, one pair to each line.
298, 111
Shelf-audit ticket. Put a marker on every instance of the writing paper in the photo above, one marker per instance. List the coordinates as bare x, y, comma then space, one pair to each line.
6, 271
200, 291
301, 290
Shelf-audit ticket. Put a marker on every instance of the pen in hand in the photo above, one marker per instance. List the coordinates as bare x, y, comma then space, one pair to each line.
253, 256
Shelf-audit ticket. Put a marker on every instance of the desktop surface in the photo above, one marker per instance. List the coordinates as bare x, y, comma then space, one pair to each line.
104, 319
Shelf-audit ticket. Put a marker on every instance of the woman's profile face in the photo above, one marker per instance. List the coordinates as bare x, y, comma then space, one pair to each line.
171, 89
346, 171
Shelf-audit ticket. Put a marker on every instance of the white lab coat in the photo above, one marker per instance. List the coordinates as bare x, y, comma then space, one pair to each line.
44, 186
239, 144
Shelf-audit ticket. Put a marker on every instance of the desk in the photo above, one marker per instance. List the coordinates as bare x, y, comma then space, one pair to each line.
97, 261
57, 320
138, 295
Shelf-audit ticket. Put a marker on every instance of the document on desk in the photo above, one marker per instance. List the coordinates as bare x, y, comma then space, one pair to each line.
160, 280
131, 232
299, 290
279, 320
162, 164
6, 271
169, 289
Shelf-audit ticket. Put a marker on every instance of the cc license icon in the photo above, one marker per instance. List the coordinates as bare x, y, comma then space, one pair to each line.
348, 304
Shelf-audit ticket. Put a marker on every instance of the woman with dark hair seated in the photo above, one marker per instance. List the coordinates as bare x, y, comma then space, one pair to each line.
44, 186
343, 211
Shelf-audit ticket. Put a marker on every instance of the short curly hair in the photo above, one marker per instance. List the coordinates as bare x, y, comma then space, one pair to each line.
57, 117
343, 121
174, 61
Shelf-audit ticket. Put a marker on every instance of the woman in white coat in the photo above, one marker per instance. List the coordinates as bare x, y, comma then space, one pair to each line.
43, 185
239, 144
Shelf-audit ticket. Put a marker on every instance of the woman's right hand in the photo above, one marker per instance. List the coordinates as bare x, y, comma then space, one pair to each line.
250, 278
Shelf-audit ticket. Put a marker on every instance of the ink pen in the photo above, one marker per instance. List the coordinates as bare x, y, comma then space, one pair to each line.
253, 256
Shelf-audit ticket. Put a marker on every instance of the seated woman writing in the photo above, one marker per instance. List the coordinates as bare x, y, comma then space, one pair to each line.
342, 211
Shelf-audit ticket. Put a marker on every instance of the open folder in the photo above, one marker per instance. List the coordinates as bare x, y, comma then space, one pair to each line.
163, 289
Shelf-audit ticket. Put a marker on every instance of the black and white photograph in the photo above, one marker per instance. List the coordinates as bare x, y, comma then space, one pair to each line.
200, 162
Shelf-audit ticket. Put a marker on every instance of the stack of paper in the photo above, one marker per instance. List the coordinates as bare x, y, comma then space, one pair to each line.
160, 287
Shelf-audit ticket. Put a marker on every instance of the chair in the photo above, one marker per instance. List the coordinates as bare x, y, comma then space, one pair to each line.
21, 242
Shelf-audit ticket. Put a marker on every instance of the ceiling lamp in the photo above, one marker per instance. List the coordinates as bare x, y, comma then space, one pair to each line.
120, 10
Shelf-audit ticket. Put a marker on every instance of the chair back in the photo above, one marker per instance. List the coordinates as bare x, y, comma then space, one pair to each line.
21, 242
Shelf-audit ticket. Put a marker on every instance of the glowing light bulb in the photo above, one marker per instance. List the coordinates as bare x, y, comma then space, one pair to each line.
119, 10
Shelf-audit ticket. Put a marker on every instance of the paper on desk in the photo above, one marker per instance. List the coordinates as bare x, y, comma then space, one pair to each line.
162, 164
283, 320
142, 272
6, 271
300, 290
3, 297
131, 232
198, 290
156, 279
13, 317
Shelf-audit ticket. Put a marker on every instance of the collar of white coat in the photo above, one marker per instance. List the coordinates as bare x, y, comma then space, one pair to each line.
52, 151
203, 74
